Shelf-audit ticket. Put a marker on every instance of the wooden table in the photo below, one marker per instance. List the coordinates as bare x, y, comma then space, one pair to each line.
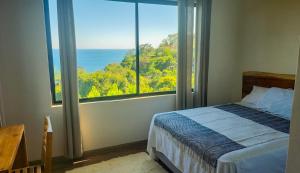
13, 153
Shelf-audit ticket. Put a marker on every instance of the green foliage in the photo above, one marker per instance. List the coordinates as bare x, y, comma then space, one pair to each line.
94, 92
157, 73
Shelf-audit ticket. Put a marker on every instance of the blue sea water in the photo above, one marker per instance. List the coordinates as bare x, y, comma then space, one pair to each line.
93, 59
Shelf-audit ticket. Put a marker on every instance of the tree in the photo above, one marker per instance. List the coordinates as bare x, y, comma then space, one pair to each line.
157, 73
94, 92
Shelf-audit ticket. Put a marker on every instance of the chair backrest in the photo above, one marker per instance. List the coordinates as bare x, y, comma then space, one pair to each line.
47, 146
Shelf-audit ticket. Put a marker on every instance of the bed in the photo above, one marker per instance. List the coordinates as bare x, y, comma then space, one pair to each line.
229, 138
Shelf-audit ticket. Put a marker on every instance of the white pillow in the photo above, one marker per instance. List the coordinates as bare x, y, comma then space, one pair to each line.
278, 101
255, 96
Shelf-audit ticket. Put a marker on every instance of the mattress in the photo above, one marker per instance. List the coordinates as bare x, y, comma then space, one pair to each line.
222, 139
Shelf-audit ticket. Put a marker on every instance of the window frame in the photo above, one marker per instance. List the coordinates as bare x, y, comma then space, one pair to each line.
137, 51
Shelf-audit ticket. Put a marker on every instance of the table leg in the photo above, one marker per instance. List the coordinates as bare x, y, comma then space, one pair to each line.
21, 160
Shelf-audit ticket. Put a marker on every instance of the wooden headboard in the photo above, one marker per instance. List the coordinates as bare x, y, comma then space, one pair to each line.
267, 80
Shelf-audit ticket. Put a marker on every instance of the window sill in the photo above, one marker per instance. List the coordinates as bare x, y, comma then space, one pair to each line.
119, 98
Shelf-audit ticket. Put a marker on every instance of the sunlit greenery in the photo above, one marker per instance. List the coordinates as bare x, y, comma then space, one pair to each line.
157, 73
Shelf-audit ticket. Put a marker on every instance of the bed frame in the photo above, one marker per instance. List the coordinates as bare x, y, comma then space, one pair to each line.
250, 79
267, 80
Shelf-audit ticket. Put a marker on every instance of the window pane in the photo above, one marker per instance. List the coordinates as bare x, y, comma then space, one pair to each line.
105, 39
158, 47
55, 48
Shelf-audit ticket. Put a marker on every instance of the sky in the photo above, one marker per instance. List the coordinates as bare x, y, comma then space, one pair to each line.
102, 24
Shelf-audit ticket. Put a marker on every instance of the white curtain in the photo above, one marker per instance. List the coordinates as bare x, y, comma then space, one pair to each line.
67, 45
185, 98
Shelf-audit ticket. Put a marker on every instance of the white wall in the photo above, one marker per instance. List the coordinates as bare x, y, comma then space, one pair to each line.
269, 35
293, 165
118, 122
224, 76
25, 80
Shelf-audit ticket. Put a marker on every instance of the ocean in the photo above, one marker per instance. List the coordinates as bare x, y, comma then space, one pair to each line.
93, 59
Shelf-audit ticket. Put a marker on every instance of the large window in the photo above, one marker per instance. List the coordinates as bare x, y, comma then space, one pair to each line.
124, 49
158, 47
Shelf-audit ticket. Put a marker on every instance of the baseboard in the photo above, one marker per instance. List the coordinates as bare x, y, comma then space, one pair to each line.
55, 161
119, 150
121, 147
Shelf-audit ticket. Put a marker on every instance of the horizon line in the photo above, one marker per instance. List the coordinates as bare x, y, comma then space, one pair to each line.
102, 48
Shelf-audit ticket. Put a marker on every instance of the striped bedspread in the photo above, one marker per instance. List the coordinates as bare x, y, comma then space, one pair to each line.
211, 135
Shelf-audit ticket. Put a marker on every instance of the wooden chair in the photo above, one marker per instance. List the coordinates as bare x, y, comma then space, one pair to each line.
46, 161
